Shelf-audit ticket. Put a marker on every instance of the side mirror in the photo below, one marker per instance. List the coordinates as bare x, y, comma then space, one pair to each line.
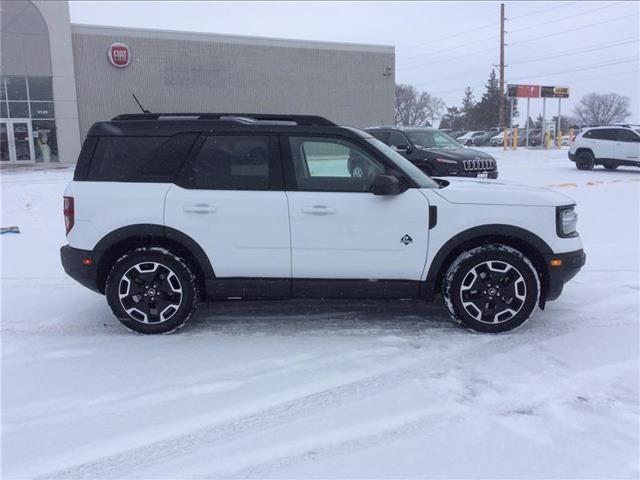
403, 148
387, 185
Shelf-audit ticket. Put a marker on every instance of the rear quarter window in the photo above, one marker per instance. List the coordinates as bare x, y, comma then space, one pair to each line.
139, 159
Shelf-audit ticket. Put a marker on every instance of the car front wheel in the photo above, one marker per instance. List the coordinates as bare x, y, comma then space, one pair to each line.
492, 288
150, 290
585, 161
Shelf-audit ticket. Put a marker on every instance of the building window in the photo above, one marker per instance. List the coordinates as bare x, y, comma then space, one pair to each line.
27, 119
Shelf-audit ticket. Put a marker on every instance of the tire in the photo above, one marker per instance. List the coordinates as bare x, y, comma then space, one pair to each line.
469, 143
503, 300
610, 166
585, 161
150, 290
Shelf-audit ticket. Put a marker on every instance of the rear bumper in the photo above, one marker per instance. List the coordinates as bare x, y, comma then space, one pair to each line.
571, 263
72, 262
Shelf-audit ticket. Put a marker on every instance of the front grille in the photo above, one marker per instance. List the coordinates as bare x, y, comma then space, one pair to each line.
479, 164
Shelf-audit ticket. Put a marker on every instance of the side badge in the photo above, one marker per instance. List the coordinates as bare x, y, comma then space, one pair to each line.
406, 240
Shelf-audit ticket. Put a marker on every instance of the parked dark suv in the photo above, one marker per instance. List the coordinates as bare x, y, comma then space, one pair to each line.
436, 153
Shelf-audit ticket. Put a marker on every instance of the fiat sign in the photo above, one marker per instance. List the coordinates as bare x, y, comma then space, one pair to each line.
119, 55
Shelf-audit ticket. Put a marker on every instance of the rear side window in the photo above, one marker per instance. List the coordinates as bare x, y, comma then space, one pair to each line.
139, 159
627, 136
602, 134
235, 162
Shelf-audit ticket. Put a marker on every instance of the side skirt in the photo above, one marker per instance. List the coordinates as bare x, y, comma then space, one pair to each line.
280, 288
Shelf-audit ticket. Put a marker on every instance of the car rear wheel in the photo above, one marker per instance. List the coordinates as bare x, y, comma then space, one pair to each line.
492, 288
150, 290
585, 161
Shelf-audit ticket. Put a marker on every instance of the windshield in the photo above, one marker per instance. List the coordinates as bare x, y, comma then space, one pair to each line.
432, 139
417, 175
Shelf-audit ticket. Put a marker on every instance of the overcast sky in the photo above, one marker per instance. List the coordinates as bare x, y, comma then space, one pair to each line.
441, 47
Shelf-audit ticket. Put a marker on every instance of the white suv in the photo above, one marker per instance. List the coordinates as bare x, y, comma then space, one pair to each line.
610, 146
166, 210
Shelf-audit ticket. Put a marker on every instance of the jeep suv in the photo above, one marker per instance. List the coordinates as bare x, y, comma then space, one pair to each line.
436, 153
168, 210
610, 146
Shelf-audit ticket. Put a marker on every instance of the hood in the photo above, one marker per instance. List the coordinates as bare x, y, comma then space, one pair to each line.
461, 153
493, 192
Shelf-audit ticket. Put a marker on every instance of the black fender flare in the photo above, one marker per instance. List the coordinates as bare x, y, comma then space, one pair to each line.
479, 233
151, 231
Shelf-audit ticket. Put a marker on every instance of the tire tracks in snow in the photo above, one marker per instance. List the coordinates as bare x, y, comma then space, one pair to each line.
129, 460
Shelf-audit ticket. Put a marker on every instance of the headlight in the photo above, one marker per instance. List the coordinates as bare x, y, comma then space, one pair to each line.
444, 160
566, 221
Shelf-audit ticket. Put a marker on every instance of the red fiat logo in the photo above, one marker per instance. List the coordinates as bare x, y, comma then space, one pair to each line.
119, 55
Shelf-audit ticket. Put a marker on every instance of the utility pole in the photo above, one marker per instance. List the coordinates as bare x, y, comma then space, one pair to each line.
501, 116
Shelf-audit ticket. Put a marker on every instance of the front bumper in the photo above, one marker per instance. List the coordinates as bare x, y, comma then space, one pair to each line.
570, 265
572, 156
85, 273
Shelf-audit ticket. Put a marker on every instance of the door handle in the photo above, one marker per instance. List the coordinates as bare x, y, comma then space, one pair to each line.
319, 210
199, 208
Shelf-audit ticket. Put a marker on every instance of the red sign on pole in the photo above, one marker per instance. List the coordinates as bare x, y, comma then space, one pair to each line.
523, 91
119, 55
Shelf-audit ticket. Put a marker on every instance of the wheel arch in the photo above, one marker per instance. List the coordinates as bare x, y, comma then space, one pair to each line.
580, 150
531, 245
115, 244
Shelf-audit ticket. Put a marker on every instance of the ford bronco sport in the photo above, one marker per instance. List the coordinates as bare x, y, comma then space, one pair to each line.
167, 210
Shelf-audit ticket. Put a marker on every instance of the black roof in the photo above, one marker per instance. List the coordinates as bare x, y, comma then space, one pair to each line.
167, 124
399, 128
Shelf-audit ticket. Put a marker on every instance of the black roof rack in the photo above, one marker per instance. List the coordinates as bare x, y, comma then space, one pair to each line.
302, 120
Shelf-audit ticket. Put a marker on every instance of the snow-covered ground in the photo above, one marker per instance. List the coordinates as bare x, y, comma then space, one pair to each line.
325, 389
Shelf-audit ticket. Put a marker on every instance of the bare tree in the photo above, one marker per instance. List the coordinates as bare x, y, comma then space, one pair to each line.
602, 109
416, 109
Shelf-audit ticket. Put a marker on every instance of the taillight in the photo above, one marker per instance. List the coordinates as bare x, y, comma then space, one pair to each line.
69, 213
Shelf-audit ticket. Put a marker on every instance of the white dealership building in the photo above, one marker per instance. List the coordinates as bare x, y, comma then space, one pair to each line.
57, 78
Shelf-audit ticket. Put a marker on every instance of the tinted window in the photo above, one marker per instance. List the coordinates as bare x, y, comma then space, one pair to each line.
235, 162
139, 159
627, 136
382, 136
397, 138
603, 134
332, 164
432, 139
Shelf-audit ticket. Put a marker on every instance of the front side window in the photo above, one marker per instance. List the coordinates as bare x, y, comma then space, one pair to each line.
332, 164
397, 139
432, 139
235, 162
627, 136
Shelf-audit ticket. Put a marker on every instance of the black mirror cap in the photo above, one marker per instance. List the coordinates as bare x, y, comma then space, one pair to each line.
387, 185
404, 148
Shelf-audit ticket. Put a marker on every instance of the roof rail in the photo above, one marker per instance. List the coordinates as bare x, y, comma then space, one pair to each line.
302, 120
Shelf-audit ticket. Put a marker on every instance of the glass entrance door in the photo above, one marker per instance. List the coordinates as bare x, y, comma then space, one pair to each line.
4, 141
22, 140
16, 141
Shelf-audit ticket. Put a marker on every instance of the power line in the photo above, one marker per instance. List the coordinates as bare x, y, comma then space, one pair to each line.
590, 48
448, 59
535, 39
538, 12
573, 15
593, 48
455, 35
548, 74
446, 50
419, 65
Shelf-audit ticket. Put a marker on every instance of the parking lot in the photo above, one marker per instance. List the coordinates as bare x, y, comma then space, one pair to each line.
313, 389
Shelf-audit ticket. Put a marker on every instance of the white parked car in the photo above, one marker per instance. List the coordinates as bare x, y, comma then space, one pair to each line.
167, 210
610, 146
469, 138
498, 140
